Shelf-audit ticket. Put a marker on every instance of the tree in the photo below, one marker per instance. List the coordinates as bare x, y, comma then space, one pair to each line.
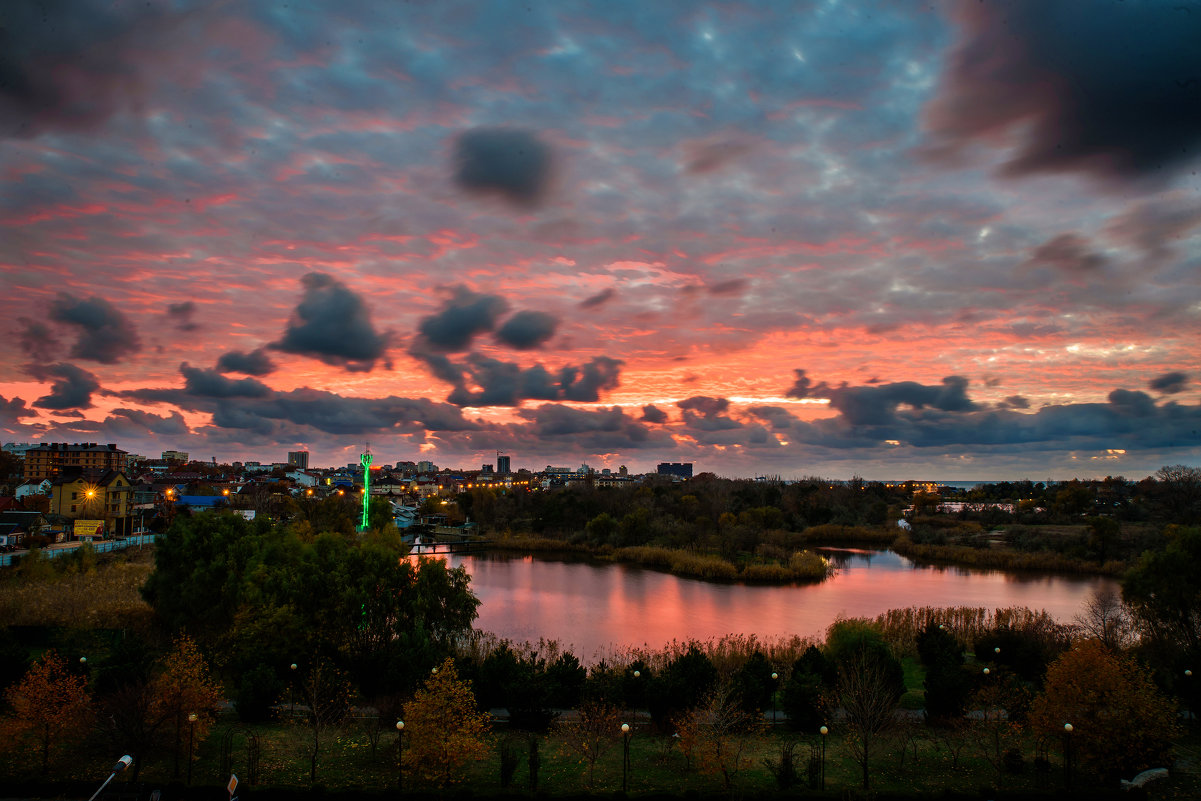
327, 696
50, 704
445, 728
1180, 491
682, 685
868, 696
1122, 724
803, 695
183, 688
715, 733
590, 734
947, 685
1107, 619
1163, 592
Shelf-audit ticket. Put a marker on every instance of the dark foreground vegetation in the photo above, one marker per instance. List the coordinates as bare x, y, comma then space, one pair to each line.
288, 656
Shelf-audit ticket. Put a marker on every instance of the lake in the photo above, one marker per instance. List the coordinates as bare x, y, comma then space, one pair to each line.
597, 608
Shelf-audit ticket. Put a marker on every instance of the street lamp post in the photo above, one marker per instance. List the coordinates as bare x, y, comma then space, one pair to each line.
1067, 756
122, 763
1188, 695
824, 731
625, 756
400, 755
191, 736
292, 691
775, 679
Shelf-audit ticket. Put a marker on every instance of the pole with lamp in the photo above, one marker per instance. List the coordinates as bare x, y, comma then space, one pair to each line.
292, 691
122, 763
191, 739
400, 755
625, 756
1067, 756
824, 731
775, 683
1188, 695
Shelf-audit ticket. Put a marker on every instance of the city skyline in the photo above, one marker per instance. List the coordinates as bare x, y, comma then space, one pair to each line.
954, 241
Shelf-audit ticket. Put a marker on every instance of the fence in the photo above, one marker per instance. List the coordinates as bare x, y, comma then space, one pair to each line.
103, 546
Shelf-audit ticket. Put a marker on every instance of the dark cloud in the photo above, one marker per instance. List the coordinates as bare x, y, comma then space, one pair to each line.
1169, 383
256, 362
712, 156
1014, 402
592, 431
526, 330
877, 405
63, 64
464, 315
135, 422
584, 383
707, 414
248, 405
71, 386
331, 323
1112, 89
105, 334
777, 417
508, 384
37, 339
735, 286
944, 417
653, 414
511, 163
1155, 226
599, 299
182, 314
1068, 252
13, 410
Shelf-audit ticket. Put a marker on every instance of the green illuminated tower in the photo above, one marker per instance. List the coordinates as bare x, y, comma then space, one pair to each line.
365, 460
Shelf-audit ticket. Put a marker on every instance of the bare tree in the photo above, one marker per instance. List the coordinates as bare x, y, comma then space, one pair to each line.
1106, 618
590, 733
869, 701
717, 731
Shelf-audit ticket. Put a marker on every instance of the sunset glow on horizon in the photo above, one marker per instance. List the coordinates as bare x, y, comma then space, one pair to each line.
792, 239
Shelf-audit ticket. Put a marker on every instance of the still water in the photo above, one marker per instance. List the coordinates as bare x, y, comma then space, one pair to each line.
599, 608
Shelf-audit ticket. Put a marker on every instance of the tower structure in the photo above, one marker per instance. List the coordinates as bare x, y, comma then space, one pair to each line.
365, 461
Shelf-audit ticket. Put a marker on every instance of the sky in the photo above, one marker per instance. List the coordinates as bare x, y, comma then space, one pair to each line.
957, 241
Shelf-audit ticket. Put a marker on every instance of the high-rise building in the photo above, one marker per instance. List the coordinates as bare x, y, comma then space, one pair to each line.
48, 461
298, 459
680, 469
503, 465
176, 456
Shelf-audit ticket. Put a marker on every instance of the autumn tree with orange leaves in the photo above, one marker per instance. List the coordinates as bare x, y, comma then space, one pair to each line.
443, 728
50, 705
1121, 723
182, 688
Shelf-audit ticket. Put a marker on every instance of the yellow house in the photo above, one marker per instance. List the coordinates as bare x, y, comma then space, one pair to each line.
75, 496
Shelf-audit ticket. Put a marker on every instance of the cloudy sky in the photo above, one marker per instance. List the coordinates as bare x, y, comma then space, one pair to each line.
957, 241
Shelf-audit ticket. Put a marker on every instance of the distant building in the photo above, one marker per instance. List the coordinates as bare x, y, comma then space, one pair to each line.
48, 461
503, 465
427, 467
298, 459
76, 496
176, 456
678, 469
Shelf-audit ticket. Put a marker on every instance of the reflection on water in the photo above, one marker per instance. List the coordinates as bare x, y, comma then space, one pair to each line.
596, 608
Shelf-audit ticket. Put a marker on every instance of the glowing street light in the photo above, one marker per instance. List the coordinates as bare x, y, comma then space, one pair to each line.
625, 760
400, 754
824, 731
